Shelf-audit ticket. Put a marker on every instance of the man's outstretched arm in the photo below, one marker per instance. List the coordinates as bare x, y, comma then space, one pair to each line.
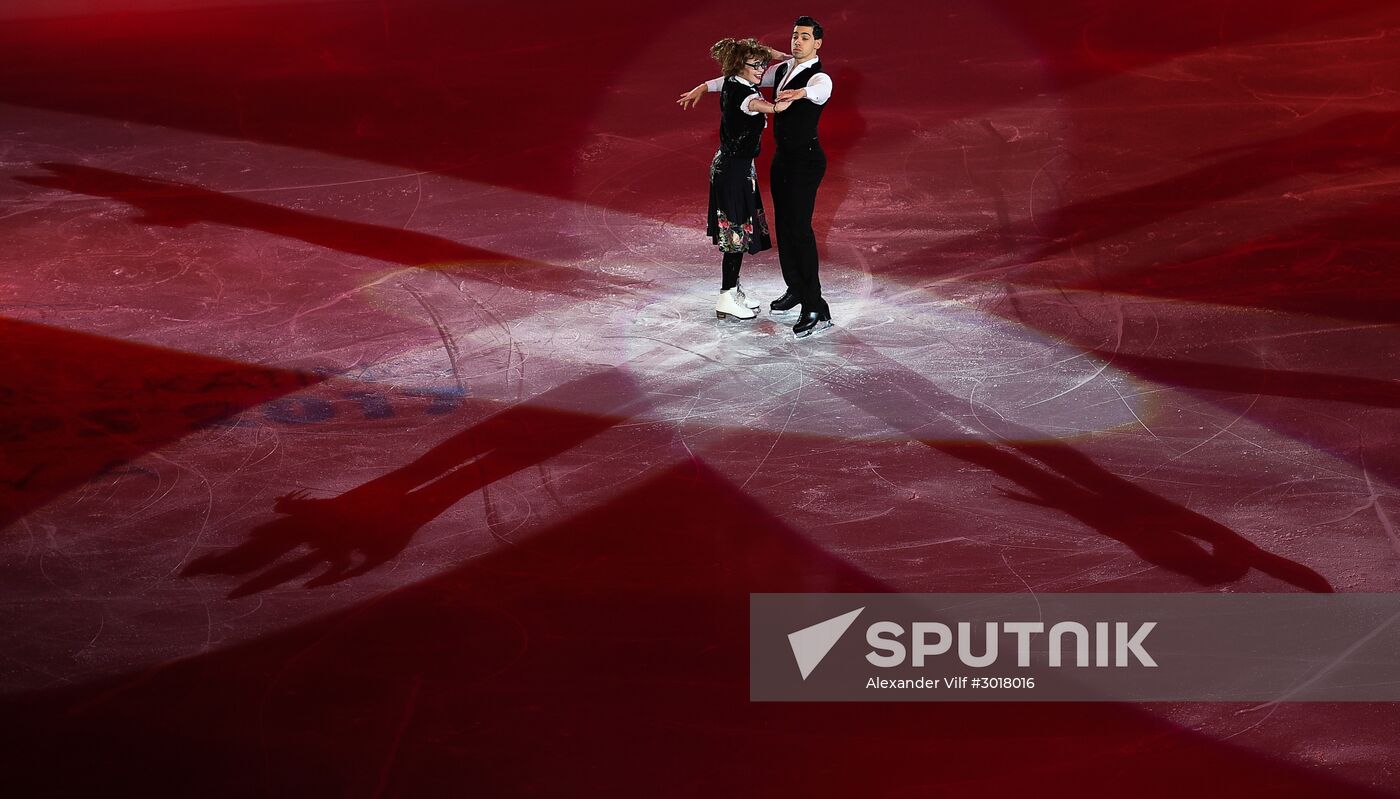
818, 90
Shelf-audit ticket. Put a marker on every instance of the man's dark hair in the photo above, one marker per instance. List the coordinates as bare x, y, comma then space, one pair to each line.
808, 22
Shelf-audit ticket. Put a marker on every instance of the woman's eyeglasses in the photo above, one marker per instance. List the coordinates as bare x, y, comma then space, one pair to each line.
756, 65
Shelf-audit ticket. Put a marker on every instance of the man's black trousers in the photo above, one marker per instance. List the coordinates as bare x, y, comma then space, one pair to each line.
797, 172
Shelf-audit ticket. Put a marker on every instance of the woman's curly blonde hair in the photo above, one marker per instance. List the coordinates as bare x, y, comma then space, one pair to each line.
732, 53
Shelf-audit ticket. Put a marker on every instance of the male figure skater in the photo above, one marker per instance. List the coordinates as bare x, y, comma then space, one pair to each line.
798, 167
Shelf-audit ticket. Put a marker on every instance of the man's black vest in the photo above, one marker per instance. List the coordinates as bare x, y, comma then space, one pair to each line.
797, 126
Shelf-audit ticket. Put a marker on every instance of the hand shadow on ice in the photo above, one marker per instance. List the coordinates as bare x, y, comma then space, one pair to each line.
365, 527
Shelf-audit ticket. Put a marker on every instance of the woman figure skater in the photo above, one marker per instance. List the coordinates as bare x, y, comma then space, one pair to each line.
737, 223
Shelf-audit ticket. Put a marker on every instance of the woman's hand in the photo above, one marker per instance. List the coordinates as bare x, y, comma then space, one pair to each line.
781, 106
693, 96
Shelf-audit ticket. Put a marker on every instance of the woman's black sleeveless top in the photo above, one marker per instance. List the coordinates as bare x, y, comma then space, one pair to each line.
739, 133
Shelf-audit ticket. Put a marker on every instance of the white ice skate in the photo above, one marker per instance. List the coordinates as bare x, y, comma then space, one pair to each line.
731, 304
746, 300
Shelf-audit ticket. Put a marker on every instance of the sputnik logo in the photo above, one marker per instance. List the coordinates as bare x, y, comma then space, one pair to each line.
811, 644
